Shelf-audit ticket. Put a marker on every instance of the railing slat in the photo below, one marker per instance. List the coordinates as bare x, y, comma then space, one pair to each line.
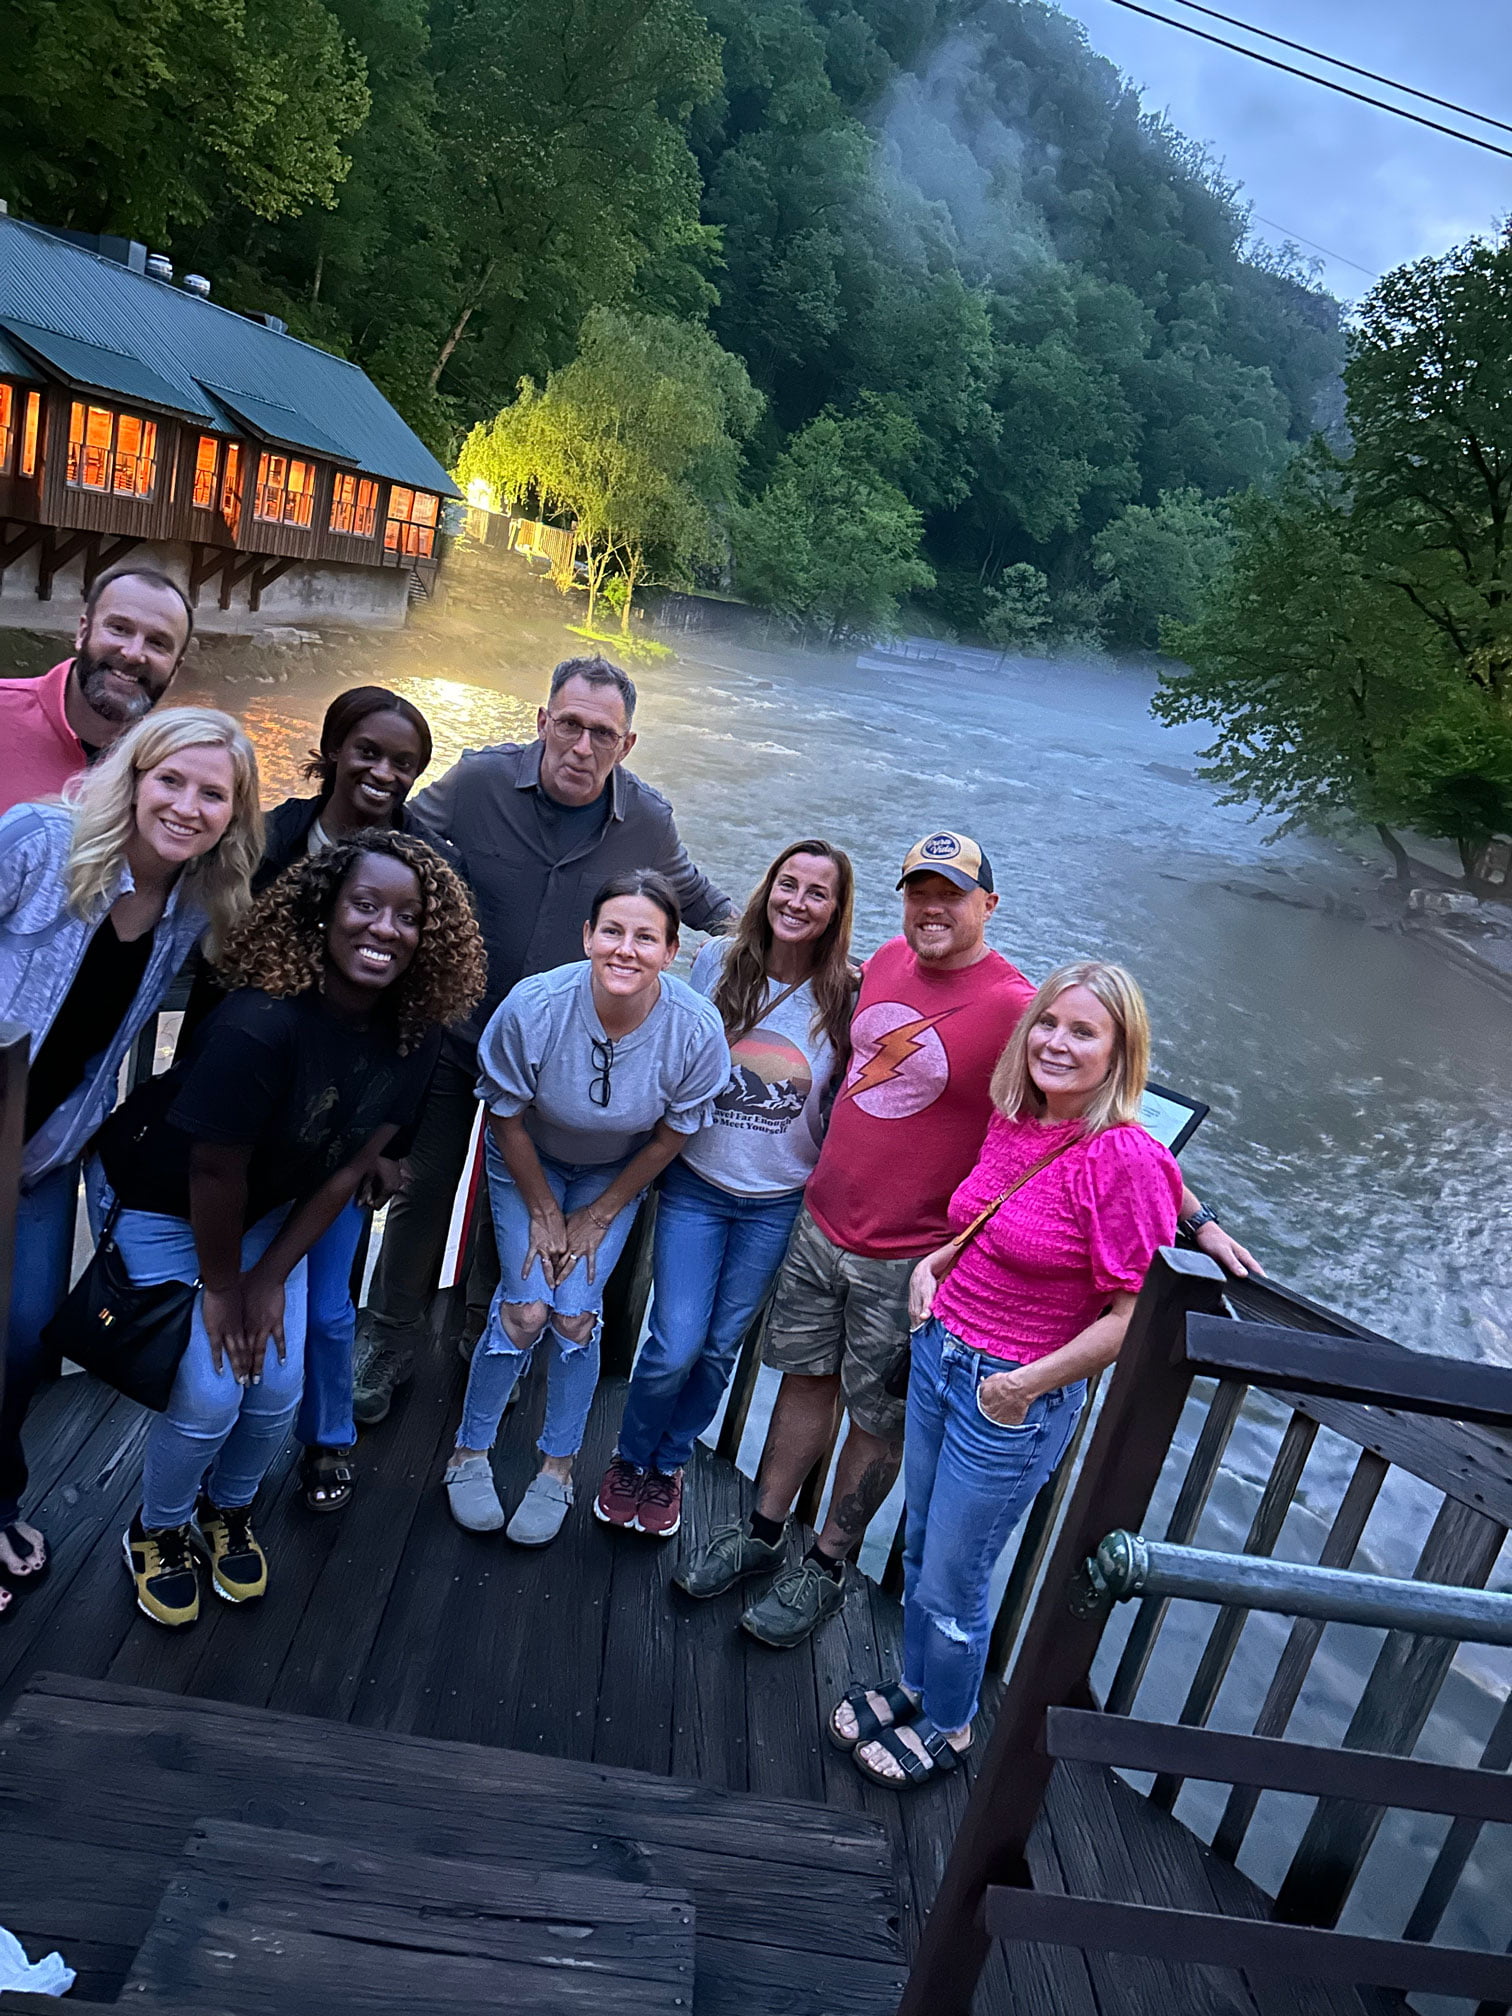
1404, 1684
1223, 1639
1459, 1842
1201, 1475
1355, 1508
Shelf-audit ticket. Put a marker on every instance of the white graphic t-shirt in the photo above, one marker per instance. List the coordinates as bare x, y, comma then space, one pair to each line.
766, 1130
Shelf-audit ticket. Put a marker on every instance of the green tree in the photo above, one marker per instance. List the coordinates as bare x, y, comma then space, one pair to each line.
153, 117
1160, 561
1018, 609
832, 544
638, 439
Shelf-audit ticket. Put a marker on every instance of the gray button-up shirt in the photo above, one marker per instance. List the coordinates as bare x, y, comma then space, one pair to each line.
531, 902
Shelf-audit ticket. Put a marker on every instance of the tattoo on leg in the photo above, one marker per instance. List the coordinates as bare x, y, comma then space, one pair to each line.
858, 1508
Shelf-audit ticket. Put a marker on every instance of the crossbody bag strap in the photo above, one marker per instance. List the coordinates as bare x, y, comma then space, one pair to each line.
771, 1007
964, 1238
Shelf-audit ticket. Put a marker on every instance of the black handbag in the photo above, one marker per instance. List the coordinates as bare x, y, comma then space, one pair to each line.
131, 1337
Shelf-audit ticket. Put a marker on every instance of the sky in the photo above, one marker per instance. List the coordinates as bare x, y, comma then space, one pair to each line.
1371, 190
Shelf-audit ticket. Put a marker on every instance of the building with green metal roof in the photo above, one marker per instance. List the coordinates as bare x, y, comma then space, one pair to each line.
139, 417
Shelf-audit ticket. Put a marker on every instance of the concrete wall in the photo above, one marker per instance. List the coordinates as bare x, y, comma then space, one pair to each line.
309, 594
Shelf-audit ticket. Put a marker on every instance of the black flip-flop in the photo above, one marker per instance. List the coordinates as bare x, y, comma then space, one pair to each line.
903, 1706
943, 1758
26, 1578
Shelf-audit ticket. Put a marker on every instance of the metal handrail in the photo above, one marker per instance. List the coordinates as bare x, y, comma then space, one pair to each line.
1127, 1565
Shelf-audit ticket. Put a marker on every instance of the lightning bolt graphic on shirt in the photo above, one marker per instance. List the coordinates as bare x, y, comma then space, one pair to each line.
892, 1053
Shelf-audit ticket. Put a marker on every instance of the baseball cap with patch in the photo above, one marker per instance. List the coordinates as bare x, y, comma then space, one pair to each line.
952, 855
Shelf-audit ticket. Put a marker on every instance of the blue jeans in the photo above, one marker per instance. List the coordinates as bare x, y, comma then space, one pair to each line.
716, 1256
967, 1482
39, 1282
209, 1418
325, 1408
572, 1376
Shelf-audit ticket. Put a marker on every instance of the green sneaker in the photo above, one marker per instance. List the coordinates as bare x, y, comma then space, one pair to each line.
379, 1369
732, 1552
798, 1599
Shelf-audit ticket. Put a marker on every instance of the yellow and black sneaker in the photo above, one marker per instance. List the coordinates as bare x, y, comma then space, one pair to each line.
238, 1566
162, 1564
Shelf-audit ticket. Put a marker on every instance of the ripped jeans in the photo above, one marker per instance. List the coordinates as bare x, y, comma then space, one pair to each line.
968, 1482
498, 1363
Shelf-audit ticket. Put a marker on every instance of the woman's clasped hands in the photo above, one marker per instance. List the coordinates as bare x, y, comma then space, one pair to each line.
240, 1321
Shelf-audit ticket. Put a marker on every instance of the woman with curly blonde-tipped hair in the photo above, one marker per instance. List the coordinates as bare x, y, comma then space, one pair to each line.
102, 894
231, 1167
1054, 1230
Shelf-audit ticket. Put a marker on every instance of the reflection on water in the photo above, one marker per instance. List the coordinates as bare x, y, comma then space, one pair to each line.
1361, 1087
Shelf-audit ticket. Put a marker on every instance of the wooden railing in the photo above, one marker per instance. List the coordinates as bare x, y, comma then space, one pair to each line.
1402, 1413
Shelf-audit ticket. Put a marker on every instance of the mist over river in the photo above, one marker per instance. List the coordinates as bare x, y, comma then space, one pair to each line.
1361, 1085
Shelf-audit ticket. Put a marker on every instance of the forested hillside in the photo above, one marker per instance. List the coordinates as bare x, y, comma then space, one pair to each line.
982, 294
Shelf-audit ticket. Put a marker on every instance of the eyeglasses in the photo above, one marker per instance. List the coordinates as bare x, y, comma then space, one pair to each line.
603, 1064
569, 731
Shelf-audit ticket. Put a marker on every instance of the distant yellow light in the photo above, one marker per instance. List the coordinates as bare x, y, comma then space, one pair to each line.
481, 494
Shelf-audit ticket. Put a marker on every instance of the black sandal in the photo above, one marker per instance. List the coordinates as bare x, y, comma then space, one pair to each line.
326, 1477
943, 1757
903, 1705
23, 1549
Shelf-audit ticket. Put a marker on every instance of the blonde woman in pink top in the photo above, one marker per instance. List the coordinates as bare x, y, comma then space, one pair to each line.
1007, 1336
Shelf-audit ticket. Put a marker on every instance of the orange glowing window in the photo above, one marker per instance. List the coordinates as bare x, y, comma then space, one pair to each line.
111, 451
206, 456
411, 527
285, 491
7, 425
354, 506
30, 428
231, 496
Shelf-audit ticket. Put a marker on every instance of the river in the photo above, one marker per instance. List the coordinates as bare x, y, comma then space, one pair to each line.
1361, 1086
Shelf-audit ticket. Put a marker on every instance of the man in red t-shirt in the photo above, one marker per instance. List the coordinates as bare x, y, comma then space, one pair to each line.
936, 1009
132, 636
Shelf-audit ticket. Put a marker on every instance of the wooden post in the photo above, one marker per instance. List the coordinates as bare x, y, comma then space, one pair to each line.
15, 1047
1133, 1433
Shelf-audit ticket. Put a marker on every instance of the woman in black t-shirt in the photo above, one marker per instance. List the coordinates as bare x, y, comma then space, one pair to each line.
230, 1169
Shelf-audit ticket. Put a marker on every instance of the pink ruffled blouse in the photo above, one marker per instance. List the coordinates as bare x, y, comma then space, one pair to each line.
1043, 1267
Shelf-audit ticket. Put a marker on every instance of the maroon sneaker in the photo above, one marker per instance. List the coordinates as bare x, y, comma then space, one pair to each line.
660, 1512
619, 1496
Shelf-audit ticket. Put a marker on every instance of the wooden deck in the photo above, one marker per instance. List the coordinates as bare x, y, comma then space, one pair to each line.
388, 1617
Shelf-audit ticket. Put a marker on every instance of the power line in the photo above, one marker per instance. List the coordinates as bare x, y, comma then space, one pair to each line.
1271, 225
1308, 77
1338, 62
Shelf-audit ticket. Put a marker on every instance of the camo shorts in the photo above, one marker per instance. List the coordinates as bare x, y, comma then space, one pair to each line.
835, 1311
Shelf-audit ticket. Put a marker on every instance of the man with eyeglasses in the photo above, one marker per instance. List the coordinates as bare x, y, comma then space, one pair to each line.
540, 827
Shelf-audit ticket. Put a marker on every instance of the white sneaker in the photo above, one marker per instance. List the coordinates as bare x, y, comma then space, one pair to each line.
539, 1514
472, 1496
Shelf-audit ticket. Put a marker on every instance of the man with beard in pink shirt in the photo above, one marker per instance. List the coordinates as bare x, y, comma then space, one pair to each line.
132, 636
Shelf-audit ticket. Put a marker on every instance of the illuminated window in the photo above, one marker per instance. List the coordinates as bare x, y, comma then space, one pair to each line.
111, 451
30, 427
285, 490
354, 506
231, 496
7, 425
411, 527
205, 458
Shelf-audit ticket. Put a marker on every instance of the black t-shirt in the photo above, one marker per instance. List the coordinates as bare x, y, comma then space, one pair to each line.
565, 828
302, 1087
93, 1009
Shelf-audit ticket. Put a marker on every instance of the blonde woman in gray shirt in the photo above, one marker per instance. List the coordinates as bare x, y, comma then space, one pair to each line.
594, 1075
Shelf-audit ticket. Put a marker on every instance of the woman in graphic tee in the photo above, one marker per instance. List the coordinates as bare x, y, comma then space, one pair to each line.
594, 1075
784, 987
1037, 1301
229, 1169
102, 895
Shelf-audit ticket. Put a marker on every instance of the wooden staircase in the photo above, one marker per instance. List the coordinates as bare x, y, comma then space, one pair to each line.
195, 1858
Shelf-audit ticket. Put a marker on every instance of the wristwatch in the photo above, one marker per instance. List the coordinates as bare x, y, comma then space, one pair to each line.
1190, 1227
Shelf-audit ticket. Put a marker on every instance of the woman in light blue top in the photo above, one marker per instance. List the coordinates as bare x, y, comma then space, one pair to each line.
594, 1074
101, 898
